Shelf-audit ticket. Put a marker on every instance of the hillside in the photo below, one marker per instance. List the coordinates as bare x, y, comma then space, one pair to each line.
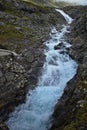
23, 29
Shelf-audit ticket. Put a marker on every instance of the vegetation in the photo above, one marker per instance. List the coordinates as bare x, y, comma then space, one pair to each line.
80, 119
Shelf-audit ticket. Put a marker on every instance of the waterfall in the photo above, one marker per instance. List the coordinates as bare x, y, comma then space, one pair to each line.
58, 69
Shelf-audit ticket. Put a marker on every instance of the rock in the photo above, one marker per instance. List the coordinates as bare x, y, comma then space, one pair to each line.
2, 24
13, 79
9, 76
3, 126
1, 74
81, 103
59, 46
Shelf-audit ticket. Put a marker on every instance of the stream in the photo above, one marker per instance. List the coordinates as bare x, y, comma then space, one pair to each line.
58, 69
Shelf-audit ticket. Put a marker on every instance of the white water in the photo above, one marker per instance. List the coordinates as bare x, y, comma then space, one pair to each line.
58, 69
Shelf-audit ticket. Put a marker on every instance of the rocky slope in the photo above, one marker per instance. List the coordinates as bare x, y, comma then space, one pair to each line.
23, 29
71, 110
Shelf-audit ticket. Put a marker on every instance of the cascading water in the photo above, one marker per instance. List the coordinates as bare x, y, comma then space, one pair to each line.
58, 69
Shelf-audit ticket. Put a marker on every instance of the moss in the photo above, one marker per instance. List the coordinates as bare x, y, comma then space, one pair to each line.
32, 3
7, 5
82, 84
85, 106
81, 114
10, 31
71, 126
40, 4
39, 7
80, 119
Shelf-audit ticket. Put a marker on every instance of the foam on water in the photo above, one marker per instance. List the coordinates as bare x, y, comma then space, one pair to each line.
58, 69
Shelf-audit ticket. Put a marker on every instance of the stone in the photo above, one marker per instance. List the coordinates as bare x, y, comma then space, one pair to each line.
3, 126
1, 74
59, 46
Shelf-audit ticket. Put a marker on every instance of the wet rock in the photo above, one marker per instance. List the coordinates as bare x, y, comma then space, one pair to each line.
3, 126
59, 46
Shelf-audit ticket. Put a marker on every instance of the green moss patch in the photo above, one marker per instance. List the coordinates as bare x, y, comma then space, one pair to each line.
82, 84
9, 31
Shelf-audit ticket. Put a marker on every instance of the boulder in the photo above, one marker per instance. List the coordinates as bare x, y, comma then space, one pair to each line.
59, 46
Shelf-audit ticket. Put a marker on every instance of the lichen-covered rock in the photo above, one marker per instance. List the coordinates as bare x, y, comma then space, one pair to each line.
12, 81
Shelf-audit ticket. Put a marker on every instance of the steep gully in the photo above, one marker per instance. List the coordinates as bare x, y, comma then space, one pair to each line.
58, 69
